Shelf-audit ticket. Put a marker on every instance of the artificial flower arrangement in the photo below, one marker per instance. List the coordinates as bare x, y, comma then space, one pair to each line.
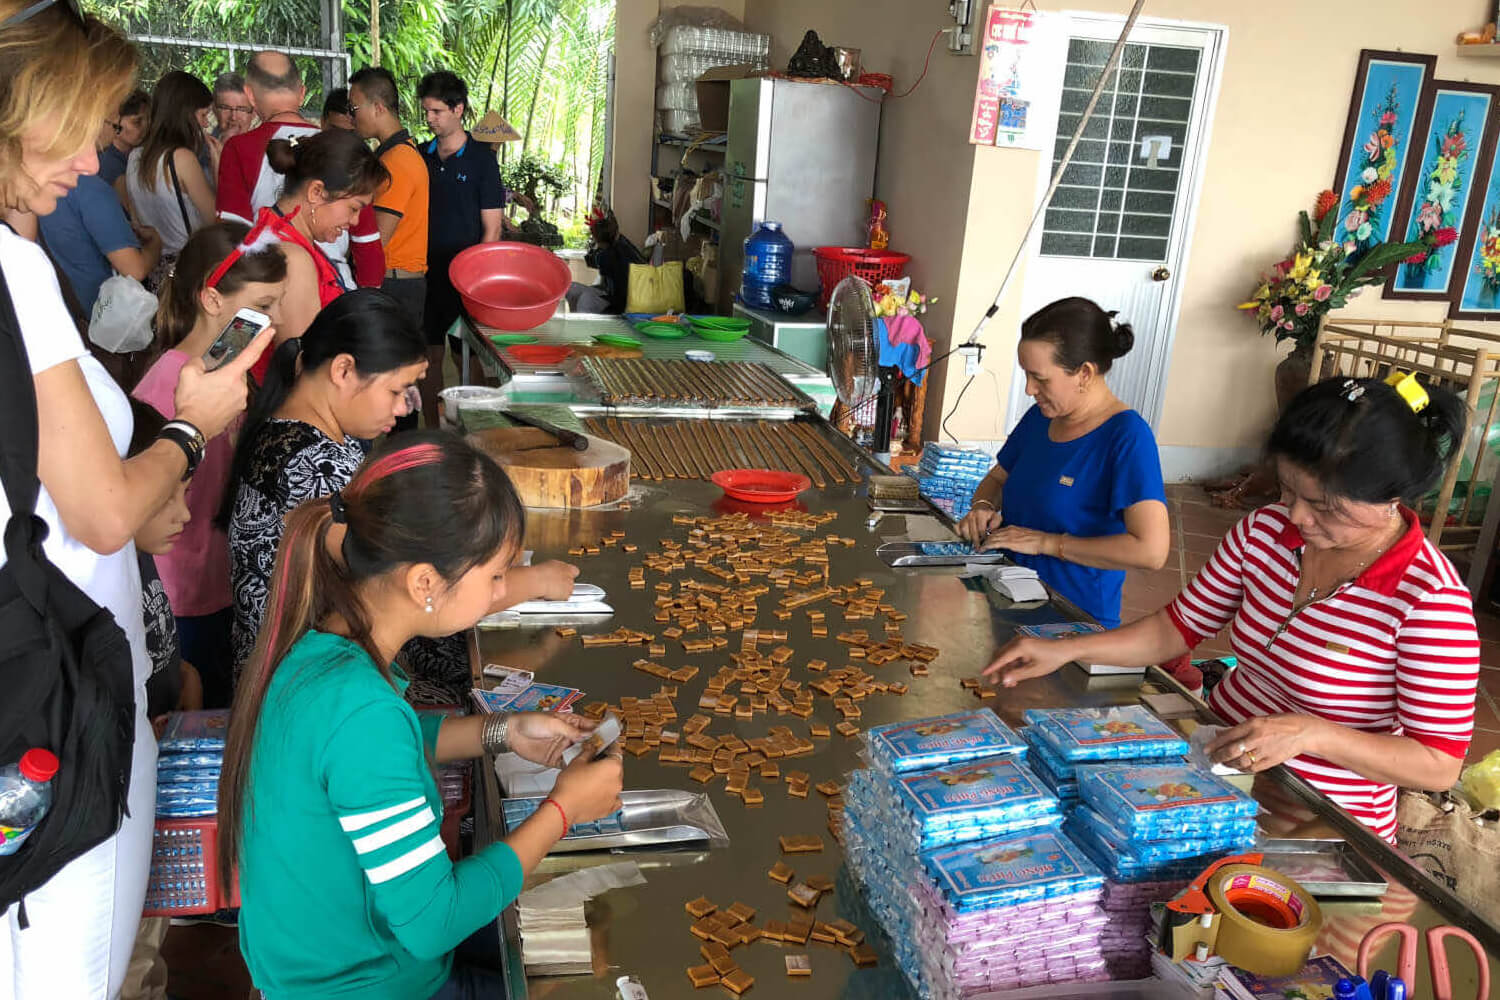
897, 298
1443, 185
1321, 273
1362, 211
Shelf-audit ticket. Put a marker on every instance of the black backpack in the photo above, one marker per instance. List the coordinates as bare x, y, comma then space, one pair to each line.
65, 665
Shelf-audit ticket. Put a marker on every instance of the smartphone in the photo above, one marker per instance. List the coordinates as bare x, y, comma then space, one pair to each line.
244, 328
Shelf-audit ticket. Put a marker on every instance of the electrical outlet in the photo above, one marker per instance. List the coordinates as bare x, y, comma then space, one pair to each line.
973, 353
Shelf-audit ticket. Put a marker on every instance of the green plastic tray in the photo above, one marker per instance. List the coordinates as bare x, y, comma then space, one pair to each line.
721, 322
662, 331
512, 339
719, 336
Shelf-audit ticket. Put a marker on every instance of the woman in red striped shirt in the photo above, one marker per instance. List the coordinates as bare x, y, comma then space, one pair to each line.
1358, 654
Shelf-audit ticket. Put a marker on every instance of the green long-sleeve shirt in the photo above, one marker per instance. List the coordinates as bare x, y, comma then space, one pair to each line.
345, 885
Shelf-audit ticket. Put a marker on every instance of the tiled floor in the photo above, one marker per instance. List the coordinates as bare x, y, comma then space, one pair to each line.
204, 960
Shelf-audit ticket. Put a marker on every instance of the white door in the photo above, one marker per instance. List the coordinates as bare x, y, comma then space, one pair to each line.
1118, 228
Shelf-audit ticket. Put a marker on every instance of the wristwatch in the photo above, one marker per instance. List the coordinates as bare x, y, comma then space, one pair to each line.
190, 439
495, 737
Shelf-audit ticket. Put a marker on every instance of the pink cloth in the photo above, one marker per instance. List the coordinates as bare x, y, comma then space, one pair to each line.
196, 572
908, 330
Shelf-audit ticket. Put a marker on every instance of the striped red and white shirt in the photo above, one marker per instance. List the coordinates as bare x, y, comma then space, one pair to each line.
1395, 651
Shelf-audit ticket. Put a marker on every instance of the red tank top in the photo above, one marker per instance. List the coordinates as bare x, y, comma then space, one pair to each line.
330, 285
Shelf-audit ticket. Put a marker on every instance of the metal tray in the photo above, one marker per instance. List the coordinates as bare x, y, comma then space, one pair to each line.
655, 817
1325, 868
911, 554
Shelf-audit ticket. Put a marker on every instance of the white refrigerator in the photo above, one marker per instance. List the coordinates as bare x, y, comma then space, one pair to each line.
802, 154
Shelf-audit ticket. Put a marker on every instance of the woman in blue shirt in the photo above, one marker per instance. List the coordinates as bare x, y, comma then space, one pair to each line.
1077, 494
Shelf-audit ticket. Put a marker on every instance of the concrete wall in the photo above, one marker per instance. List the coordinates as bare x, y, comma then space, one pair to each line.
1288, 72
925, 164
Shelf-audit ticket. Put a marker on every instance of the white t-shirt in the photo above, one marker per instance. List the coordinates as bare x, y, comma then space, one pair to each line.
112, 581
157, 206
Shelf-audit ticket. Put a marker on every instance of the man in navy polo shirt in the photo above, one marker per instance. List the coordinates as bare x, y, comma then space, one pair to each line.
466, 199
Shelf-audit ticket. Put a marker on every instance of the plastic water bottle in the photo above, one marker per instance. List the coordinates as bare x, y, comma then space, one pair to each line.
768, 263
25, 796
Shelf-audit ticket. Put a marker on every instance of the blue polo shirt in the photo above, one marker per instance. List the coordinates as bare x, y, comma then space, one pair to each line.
112, 163
1079, 488
459, 188
88, 225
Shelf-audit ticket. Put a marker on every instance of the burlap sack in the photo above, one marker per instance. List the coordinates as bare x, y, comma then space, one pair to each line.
1450, 847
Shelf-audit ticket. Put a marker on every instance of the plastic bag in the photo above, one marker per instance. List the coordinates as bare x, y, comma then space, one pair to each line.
696, 17
1481, 781
655, 290
121, 320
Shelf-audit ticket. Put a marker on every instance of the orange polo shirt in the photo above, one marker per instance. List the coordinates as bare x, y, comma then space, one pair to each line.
406, 198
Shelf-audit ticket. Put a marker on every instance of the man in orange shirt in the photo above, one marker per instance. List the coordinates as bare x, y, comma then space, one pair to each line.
400, 211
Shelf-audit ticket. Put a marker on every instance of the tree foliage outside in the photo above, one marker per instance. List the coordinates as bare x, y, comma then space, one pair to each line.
543, 64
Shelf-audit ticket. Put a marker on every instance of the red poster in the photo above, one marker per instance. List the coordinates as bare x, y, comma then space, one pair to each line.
1002, 101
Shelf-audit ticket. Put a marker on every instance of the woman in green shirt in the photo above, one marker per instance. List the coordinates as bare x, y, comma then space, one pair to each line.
328, 808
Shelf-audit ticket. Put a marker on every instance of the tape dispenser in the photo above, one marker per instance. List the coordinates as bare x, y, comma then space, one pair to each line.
1253, 917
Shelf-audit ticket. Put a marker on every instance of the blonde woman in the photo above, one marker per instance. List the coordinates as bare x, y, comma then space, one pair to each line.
61, 73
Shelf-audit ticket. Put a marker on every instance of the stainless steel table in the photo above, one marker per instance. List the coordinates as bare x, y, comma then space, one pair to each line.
563, 383
644, 930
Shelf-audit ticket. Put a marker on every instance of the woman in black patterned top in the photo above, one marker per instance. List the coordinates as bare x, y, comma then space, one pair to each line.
328, 393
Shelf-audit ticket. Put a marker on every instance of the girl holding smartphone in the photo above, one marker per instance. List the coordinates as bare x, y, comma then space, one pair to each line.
216, 281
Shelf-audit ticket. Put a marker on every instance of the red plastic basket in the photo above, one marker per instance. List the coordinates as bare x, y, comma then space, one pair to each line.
872, 266
184, 876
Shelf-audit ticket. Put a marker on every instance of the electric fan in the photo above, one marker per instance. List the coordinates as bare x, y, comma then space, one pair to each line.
864, 387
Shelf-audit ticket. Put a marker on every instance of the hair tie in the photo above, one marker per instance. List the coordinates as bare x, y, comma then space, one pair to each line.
336, 505
1409, 389
259, 239
293, 139
1112, 313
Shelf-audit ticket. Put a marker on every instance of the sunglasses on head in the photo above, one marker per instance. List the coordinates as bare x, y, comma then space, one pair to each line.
25, 14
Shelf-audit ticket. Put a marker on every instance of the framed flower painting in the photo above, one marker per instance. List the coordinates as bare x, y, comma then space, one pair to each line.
1476, 291
1459, 132
1377, 147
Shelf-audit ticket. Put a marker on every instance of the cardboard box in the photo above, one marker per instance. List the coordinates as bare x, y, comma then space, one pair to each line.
713, 95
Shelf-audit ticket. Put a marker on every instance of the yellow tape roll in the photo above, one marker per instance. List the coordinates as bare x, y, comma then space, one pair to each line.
1267, 922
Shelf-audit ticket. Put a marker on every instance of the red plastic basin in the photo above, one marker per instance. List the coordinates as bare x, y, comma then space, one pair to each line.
510, 286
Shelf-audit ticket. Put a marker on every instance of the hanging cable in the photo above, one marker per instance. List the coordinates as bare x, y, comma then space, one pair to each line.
1057, 174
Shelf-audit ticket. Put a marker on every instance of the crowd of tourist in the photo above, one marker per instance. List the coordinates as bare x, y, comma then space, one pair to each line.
166, 482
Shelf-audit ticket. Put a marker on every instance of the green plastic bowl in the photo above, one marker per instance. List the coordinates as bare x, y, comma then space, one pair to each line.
721, 322
661, 331
719, 336
616, 340
512, 339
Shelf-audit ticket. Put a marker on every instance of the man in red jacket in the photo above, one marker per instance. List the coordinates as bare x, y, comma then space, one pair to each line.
247, 183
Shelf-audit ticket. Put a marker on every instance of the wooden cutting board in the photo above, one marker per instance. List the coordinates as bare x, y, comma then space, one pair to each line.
547, 475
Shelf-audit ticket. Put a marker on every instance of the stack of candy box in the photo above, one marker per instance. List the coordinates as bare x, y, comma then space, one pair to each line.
190, 757
1148, 854
948, 475
956, 846
1153, 828
1061, 739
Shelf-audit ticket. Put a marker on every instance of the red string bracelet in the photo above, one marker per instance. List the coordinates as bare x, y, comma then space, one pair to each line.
554, 805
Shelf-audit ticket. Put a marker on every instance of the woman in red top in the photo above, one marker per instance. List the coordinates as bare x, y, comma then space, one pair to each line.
330, 178
1358, 654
